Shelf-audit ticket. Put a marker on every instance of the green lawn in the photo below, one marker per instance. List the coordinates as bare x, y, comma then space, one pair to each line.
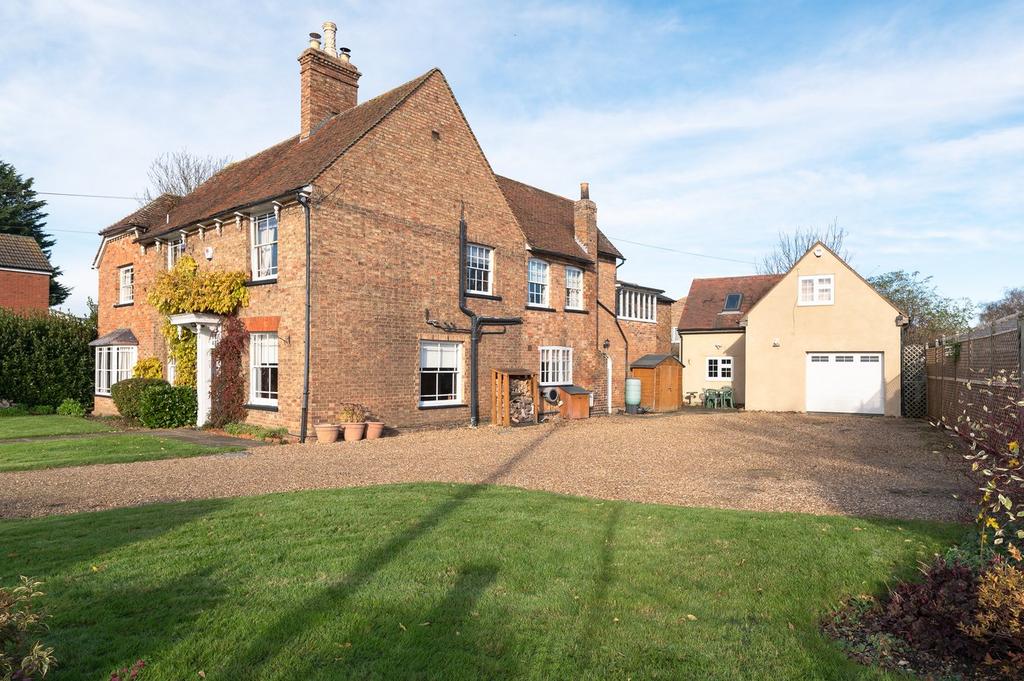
83, 451
36, 426
435, 581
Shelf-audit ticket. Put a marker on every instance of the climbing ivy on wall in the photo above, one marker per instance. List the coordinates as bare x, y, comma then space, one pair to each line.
185, 288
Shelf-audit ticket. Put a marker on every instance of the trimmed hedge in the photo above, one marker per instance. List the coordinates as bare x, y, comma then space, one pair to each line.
168, 406
46, 358
127, 394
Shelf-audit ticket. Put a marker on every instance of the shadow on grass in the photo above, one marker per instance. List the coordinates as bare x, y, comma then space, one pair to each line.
43, 547
596, 615
89, 646
308, 614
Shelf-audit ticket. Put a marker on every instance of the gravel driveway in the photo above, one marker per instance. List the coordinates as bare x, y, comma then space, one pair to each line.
767, 462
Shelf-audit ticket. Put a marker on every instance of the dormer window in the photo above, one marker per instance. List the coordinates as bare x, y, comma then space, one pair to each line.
732, 302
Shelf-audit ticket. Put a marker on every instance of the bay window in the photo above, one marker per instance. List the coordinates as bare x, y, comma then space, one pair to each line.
113, 363
636, 305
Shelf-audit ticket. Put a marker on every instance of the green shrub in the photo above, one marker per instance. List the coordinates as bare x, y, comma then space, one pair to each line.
70, 407
16, 410
40, 410
167, 406
127, 394
46, 358
258, 432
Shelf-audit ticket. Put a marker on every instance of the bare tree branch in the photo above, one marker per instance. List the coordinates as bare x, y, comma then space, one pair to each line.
792, 246
180, 172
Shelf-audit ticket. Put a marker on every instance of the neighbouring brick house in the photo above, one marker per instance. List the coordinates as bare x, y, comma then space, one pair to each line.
378, 194
24, 275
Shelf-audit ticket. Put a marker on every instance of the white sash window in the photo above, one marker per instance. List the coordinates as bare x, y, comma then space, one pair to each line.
113, 363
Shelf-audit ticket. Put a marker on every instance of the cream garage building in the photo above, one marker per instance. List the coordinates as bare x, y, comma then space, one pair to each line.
818, 338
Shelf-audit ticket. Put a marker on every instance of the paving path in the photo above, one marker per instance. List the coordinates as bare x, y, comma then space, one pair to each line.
769, 462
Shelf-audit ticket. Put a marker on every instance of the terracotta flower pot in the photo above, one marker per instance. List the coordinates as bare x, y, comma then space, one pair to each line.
374, 429
325, 432
354, 431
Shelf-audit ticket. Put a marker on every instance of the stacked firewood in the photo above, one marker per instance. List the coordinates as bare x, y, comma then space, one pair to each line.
521, 407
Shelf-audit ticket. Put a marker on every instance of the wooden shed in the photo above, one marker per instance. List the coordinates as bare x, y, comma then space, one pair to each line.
661, 382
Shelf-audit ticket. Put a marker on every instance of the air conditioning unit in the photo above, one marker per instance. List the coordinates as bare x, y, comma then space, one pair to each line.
550, 394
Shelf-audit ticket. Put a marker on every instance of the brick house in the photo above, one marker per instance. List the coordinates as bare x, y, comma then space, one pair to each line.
24, 275
379, 244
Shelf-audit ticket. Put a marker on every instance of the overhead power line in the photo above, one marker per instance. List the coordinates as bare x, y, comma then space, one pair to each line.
676, 250
83, 196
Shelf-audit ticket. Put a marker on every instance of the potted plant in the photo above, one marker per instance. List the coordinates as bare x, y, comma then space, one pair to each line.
352, 417
374, 429
326, 432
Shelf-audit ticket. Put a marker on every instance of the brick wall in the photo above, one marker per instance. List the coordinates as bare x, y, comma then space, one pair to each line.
24, 292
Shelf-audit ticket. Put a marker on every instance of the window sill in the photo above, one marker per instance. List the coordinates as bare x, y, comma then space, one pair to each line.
572, 310
638, 321
107, 395
442, 406
260, 407
538, 308
260, 282
124, 304
815, 304
482, 296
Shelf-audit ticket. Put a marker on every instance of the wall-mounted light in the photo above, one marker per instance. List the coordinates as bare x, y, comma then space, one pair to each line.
607, 344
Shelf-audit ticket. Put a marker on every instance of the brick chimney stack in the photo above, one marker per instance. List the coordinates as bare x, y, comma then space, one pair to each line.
585, 221
329, 80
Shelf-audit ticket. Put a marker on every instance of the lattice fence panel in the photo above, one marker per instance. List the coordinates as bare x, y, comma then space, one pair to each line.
914, 386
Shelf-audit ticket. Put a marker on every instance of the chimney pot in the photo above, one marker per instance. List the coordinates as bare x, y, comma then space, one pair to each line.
344, 54
314, 41
330, 31
584, 190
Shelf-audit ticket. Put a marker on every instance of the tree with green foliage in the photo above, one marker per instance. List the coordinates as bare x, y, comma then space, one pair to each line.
1012, 302
931, 315
21, 212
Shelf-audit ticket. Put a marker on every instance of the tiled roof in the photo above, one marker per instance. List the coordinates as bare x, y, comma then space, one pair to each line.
116, 337
547, 220
153, 214
706, 300
284, 167
22, 253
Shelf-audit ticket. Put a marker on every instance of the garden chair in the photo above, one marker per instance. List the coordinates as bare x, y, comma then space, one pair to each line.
712, 398
726, 398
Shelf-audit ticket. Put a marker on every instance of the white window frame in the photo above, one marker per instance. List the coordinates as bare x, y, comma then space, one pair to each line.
721, 362
175, 249
259, 344
114, 363
675, 334
479, 259
538, 276
818, 285
126, 289
559, 360
452, 347
258, 247
635, 305
573, 293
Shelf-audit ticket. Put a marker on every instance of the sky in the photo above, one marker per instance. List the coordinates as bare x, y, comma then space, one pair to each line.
704, 129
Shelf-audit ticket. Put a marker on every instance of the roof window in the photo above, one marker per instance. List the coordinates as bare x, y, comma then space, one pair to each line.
732, 302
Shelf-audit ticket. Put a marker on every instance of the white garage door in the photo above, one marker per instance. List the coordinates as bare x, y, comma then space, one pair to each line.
846, 382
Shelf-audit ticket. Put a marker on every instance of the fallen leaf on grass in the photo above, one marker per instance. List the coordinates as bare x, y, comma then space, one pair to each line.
401, 626
692, 618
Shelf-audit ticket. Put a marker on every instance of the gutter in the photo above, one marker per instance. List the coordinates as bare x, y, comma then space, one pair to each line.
303, 199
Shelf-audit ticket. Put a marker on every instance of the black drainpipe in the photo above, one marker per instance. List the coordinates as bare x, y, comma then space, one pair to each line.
476, 324
303, 199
